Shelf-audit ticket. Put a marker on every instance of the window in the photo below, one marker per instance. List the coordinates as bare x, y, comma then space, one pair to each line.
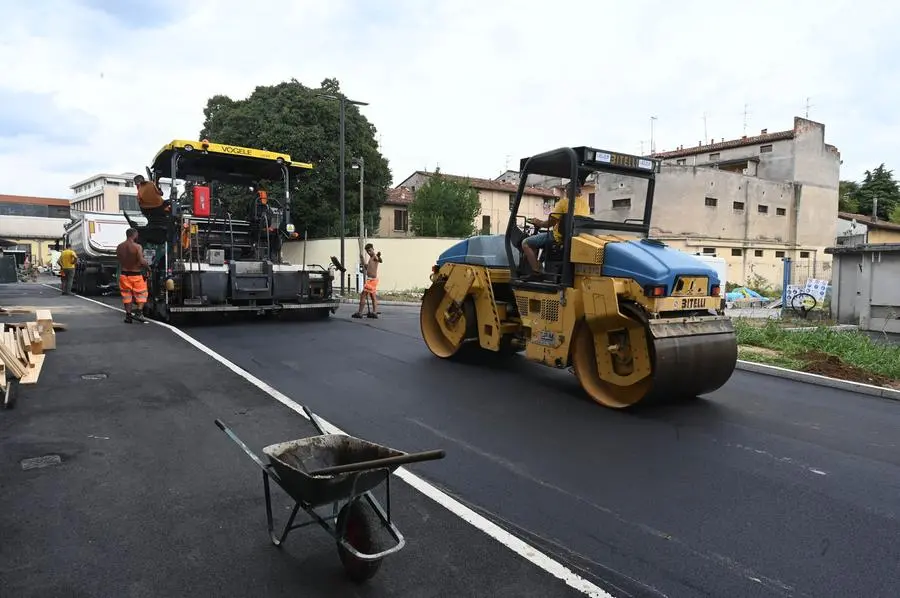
780, 211
779, 254
763, 209
592, 202
401, 221
714, 157
129, 203
738, 206
765, 149
804, 255
485, 225
512, 201
737, 252
711, 202
758, 253
709, 251
681, 161
622, 203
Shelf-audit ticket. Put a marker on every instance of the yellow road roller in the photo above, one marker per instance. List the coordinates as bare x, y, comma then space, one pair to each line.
636, 321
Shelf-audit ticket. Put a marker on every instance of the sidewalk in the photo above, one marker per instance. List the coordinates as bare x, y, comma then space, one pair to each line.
152, 499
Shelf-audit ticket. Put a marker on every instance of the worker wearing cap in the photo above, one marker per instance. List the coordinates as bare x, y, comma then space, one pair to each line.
542, 240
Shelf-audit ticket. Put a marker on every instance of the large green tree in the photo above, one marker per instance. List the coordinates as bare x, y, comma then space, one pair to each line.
444, 207
877, 184
847, 193
294, 119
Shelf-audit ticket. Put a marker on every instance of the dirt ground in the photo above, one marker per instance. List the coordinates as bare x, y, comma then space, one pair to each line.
832, 366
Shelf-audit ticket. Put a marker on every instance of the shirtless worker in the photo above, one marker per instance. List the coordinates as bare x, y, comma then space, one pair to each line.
132, 285
371, 285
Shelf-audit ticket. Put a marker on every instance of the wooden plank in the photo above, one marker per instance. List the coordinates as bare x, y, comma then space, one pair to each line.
43, 315
32, 375
25, 350
12, 362
37, 343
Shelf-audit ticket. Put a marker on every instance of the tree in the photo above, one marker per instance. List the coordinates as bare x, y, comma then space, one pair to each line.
847, 197
444, 207
291, 118
878, 184
894, 216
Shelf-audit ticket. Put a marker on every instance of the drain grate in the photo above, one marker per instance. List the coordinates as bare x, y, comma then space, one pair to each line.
38, 462
93, 376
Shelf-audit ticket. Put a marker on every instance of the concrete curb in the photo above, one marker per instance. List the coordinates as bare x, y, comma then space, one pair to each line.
816, 379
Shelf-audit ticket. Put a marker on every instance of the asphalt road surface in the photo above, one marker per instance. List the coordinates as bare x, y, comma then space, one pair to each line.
766, 487
143, 496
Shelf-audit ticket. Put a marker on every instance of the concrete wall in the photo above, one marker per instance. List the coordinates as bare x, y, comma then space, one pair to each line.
866, 285
752, 223
407, 262
879, 236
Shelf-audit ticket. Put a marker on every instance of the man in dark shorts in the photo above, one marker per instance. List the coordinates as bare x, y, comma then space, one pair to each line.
132, 284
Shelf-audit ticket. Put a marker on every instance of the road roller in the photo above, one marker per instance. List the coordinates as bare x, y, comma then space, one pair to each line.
636, 321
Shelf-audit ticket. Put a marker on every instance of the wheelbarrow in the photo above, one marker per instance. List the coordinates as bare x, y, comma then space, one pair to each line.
341, 471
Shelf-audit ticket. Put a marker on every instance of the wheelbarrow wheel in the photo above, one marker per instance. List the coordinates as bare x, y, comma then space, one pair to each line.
360, 530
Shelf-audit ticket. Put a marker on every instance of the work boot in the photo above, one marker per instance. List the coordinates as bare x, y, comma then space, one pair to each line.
356, 315
372, 315
128, 319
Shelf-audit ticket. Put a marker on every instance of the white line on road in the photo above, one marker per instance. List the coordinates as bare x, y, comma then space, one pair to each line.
493, 530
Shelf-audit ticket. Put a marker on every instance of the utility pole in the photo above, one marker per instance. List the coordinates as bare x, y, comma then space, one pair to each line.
705, 133
652, 142
360, 163
342, 99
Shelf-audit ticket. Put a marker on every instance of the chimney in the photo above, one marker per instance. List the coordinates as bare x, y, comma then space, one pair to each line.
764, 132
875, 209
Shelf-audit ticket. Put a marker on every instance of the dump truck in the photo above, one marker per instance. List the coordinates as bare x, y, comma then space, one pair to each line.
94, 237
203, 260
636, 321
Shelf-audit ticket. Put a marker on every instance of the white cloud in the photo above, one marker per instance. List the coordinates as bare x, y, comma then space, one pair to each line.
463, 84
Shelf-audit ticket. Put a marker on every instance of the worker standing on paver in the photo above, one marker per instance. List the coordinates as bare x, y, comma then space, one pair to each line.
132, 284
67, 261
150, 197
370, 288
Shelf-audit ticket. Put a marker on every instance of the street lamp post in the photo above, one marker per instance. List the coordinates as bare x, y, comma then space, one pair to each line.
343, 103
360, 163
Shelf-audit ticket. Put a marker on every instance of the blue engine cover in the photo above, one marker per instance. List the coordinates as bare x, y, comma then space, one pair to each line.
651, 263
483, 250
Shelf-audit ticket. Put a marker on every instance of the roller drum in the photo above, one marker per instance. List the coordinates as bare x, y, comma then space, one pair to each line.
693, 359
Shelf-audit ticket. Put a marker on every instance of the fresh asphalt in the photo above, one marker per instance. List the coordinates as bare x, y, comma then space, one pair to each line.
149, 498
766, 487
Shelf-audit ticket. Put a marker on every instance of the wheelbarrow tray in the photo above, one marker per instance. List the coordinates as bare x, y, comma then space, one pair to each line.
292, 460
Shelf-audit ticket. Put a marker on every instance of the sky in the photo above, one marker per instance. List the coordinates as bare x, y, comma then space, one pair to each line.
92, 86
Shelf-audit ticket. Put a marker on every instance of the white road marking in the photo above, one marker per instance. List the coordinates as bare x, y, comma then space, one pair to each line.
505, 538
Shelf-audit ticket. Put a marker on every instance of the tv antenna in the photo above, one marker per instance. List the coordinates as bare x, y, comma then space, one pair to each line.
705, 133
746, 114
808, 106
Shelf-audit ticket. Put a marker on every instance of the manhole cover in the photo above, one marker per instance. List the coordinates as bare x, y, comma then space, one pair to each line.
38, 462
93, 376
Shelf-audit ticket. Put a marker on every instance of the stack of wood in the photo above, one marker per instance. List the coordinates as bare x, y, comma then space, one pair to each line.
22, 347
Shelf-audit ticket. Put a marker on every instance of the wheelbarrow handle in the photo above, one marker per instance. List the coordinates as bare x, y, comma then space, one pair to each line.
379, 463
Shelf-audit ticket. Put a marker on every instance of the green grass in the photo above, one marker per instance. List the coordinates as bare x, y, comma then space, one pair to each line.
853, 348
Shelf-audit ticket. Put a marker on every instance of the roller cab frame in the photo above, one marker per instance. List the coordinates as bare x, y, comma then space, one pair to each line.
636, 320
202, 260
